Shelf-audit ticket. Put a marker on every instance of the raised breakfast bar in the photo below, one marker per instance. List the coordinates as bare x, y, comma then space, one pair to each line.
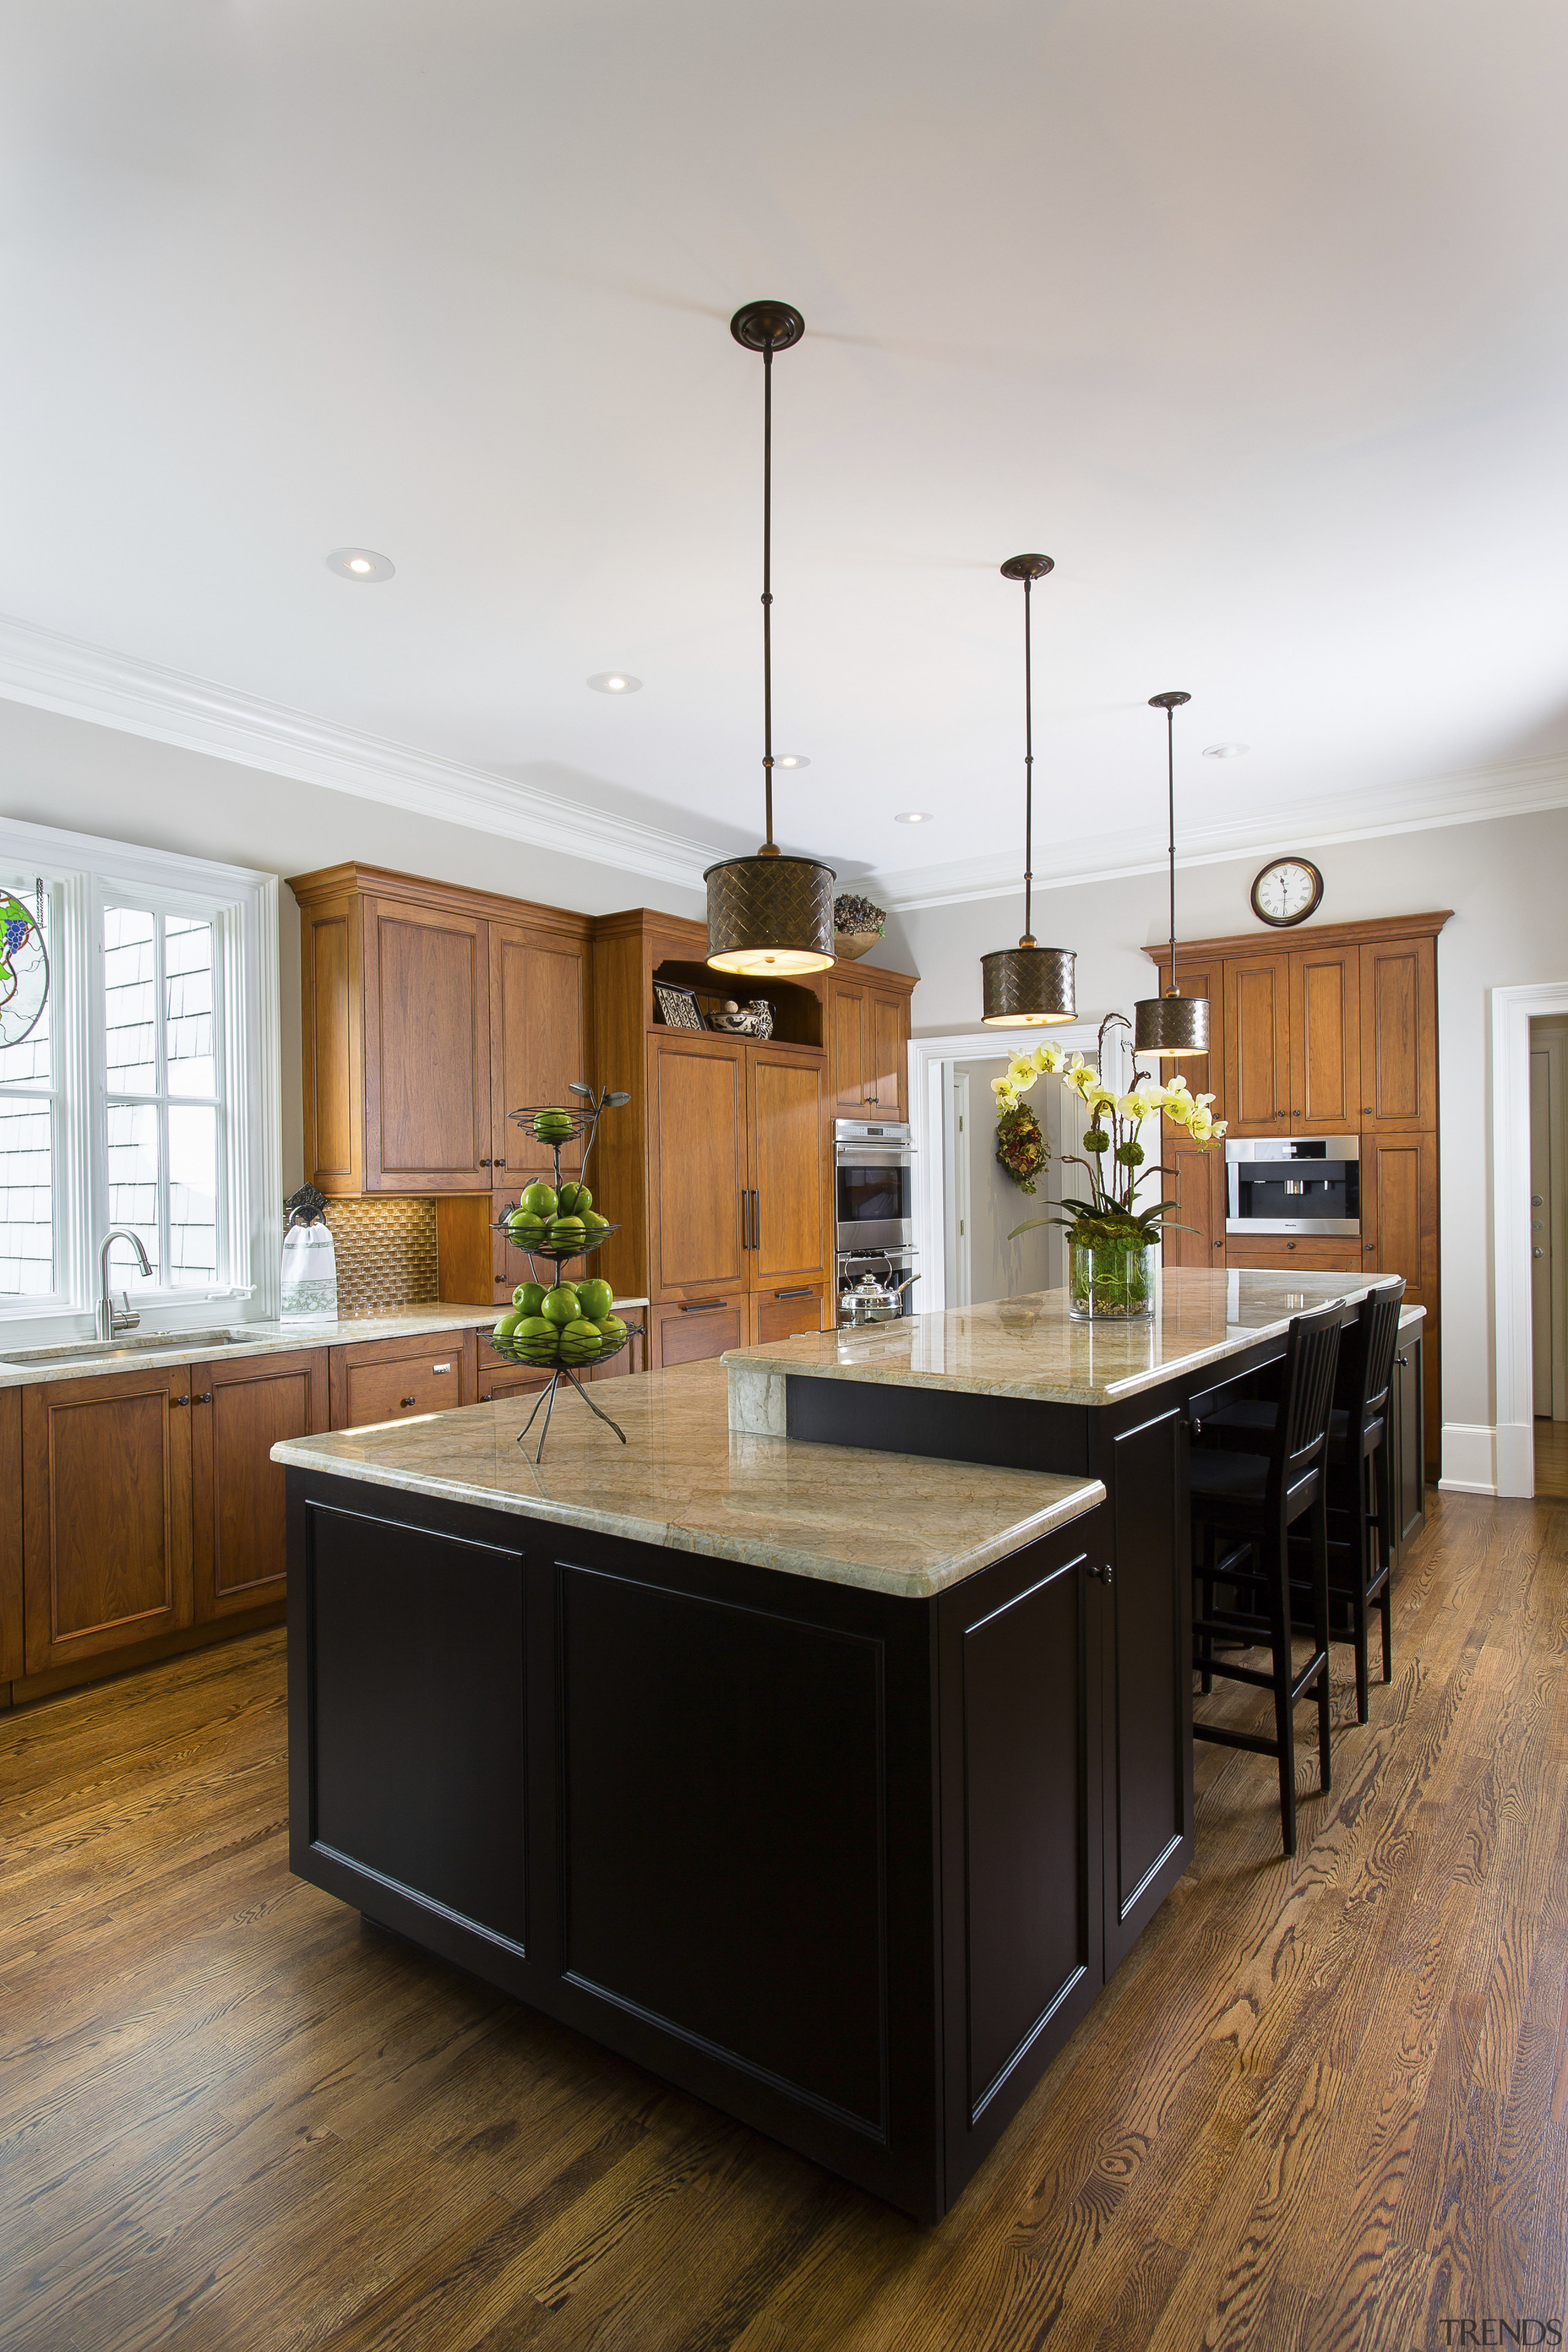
825, 1749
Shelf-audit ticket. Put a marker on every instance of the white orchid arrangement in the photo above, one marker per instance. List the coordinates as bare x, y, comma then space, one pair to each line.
1116, 1162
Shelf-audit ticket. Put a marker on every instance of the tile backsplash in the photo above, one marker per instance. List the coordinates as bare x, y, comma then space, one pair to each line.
386, 1251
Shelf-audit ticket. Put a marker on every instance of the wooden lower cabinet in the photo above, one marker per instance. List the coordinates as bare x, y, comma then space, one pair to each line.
239, 1412
106, 1503
687, 1331
12, 1660
780, 1314
1285, 1253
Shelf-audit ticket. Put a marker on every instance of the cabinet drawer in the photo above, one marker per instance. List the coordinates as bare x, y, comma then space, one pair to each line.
780, 1314
1283, 1253
695, 1329
384, 1380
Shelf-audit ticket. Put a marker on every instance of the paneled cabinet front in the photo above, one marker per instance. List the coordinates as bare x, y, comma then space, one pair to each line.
106, 1503
869, 1029
698, 1167
787, 1234
428, 1050
239, 1412
538, 1043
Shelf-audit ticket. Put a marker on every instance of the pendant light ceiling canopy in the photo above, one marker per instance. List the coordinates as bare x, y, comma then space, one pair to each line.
1029, 986
769, 916
1171, 1024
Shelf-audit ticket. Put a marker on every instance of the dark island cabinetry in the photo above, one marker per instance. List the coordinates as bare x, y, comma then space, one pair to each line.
829, 1858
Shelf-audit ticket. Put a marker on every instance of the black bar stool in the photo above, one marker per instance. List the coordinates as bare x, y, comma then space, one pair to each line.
1244, 1504
1361, 1515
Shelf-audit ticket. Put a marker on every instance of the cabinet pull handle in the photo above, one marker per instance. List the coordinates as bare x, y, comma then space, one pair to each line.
745, 1218
756, 1223
406, 1399
701, 1306
804, 1292
440, 1367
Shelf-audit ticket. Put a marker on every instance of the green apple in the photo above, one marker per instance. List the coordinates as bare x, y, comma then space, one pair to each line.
596, 1296
574, 1199
506, 1325
559, 1305
528, 1297
539, 1200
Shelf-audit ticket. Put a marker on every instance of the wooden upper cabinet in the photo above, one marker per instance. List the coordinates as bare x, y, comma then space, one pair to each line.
848, 1016
1325, 1040
239, 1412
698, 1167
428, 1061
1398, 1022
1257, 1045
1204, 1073
538, 1041
788, 1170
869, 1029
105, 1488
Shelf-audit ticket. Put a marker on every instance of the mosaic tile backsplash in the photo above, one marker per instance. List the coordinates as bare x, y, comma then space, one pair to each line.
386, 1254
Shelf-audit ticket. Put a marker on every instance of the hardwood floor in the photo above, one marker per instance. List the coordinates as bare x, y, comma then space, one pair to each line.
1324, 2104
1552, 1460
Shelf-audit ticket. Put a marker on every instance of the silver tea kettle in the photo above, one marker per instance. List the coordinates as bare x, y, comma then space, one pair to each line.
872, 1301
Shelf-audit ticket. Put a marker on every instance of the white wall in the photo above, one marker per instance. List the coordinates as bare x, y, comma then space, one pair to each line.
1507, 883
88, 778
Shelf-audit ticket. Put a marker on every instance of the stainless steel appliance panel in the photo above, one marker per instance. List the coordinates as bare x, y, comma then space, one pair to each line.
873, 1180
1293, 1184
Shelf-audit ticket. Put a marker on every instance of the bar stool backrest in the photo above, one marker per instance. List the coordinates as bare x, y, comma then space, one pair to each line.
1306, 1398
1370, 1348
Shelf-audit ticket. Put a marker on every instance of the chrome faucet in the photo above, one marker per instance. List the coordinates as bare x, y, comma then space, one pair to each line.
111, 1319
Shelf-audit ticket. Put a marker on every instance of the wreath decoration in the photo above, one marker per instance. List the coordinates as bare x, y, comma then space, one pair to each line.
1020, 1146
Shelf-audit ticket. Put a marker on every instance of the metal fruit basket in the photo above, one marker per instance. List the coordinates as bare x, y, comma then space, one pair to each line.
582, 1119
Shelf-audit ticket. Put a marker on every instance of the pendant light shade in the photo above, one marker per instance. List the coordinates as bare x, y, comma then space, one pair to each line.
1171, 1024
1029, 987
769, 916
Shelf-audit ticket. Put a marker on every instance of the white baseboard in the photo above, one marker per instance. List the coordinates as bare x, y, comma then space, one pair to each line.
1481, 1459
1469, 1458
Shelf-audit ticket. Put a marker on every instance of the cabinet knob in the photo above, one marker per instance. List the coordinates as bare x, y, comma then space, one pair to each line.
1106, 1573
1369, 1245
1219, 1245
487, 1163
184, 1399
1402, 1362
405, 1400
1290, 1245
1366, 1110
206, 1397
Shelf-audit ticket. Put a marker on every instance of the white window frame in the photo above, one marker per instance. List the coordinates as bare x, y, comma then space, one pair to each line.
83, 874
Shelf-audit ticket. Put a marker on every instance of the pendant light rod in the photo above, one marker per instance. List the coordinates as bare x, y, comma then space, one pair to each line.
769, 843
1028, 569
1170, 704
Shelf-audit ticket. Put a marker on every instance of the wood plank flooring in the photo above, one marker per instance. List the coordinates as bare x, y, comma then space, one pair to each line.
1552, 1460
1324, 2105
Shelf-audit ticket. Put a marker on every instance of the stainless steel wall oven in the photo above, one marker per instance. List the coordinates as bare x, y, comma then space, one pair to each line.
873, 1182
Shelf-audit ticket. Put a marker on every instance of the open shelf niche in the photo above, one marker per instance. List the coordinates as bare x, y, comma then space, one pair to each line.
798, 1005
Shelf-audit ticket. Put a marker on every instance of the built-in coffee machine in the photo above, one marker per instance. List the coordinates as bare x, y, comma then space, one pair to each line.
1293, 1184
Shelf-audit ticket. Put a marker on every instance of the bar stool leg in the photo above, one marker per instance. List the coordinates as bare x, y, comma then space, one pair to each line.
1284, 1713
1321, 1626
1207, 1589
1383, 1476
1363, 1558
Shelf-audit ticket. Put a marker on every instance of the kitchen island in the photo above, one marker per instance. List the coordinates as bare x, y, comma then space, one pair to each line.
829, 1782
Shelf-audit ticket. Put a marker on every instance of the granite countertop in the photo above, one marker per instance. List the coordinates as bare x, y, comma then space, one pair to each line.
260, 1340
1029, 1347
685, 1481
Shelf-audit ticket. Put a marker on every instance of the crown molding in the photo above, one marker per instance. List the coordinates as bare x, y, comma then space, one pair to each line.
1524, 789
83, 681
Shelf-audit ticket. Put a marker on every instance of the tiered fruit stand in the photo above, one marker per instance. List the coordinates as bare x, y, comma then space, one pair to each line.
565, 1127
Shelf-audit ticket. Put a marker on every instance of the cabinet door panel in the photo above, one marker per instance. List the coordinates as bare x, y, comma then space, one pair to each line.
1399, 1211
887, 1027
239, 1412
106, 1513
785, 1104
1256, 1044
1149, 1707
1399, 1034
693, 1330
1204, 1073
334, 1124
427, 1072
12, 1660
849, 1047
697, 1136
1195, 1235
538, 1043
1325, 1041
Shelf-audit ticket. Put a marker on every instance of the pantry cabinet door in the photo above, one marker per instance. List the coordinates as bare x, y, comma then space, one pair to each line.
787, 1227
696, 1162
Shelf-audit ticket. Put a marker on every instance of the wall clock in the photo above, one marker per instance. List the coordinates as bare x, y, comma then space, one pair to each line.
1287, 891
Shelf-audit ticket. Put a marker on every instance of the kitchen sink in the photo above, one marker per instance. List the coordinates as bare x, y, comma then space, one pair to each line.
131, 1343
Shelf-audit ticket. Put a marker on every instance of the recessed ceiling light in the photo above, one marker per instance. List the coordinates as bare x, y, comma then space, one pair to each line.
913, 817
1225, 750
360, 563
791, 759
614, 681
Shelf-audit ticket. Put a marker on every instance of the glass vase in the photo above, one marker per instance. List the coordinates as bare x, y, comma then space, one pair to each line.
1111, 1282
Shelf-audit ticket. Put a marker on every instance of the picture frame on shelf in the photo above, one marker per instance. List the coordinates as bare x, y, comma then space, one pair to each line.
678, 1007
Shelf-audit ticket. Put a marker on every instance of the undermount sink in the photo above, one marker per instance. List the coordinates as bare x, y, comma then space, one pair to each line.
131, 1343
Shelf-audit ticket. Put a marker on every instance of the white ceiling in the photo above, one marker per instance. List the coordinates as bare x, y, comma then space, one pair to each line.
1250, 312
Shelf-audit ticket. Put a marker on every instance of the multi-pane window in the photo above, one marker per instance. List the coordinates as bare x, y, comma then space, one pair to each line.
163, 1092
27, 1096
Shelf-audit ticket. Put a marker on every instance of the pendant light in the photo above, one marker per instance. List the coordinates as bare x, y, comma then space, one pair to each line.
769, 916
1171, 1024
1029, 986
